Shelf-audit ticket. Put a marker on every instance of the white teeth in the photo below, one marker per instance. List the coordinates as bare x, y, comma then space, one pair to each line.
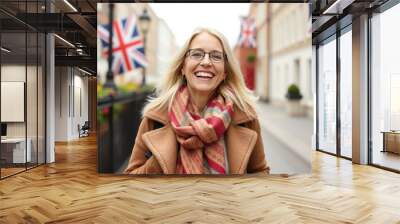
204, 74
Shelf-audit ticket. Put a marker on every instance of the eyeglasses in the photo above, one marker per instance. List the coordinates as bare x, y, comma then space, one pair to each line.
198, 55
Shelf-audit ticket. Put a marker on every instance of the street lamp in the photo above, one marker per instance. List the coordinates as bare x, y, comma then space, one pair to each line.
144, 25
110, 76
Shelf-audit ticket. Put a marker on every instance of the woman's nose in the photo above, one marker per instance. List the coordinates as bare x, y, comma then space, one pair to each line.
206, 60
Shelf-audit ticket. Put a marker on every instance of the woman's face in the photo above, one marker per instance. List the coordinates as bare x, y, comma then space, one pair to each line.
204, 74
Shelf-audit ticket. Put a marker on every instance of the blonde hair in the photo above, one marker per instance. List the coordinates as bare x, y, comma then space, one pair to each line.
232, 88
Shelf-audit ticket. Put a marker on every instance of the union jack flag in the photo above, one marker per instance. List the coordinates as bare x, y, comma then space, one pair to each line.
247, 37
128, 49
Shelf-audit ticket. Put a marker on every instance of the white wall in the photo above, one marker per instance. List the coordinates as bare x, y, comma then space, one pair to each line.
262, 60
17, 73
71, 94
12, 101
14, 73
61, 106
81, 104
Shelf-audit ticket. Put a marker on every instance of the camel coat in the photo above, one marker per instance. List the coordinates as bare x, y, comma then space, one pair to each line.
156, 149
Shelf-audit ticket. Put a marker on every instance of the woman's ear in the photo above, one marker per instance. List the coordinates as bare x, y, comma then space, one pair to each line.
183, 75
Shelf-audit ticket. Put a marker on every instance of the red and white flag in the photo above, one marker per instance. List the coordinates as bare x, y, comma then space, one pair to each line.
247, 36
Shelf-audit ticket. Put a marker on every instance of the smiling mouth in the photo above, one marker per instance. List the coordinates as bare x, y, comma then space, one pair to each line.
204, 75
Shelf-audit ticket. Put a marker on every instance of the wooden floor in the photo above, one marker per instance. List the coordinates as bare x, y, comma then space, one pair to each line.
70, 191
10, 171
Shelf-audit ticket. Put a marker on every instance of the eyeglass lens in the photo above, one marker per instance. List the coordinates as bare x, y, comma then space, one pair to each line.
199, 54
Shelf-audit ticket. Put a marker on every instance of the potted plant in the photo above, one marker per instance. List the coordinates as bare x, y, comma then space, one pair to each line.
294, 108
251, 58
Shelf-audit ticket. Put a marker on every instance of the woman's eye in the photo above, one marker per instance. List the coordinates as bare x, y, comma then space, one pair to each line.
197, 54
218, 57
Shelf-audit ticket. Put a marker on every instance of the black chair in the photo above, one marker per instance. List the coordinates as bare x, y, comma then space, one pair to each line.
84, 130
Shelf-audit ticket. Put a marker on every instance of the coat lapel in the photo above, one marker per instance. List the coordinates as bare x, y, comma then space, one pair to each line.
239, 142
162, 143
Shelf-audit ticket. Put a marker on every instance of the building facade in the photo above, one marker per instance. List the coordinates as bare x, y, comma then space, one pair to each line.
283, 52
290, 53
260, 14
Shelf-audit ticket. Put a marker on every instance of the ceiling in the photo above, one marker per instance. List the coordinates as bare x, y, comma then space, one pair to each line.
76, 25
328, 16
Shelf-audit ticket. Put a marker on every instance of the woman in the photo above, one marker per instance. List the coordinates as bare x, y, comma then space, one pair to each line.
203, 120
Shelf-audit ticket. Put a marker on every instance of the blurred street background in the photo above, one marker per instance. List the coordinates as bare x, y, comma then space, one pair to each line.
276, 65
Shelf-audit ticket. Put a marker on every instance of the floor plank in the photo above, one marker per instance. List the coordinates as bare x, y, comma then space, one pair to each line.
71, 191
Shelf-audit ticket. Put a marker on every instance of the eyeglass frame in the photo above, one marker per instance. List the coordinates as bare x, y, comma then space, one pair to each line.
205, 52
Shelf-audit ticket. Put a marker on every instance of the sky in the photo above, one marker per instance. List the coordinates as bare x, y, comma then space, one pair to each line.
183, 18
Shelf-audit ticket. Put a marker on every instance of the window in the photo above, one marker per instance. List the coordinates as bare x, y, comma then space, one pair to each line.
309, 78
327, 96
22, 64
346, 94
385, 89
297, 71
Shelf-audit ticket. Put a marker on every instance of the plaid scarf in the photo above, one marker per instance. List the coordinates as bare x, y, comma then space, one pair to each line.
201, 137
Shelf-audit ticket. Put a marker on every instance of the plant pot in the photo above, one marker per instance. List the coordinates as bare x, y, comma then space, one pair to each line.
294, 108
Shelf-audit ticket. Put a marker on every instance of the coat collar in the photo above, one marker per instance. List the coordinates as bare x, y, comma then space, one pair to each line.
162, 142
